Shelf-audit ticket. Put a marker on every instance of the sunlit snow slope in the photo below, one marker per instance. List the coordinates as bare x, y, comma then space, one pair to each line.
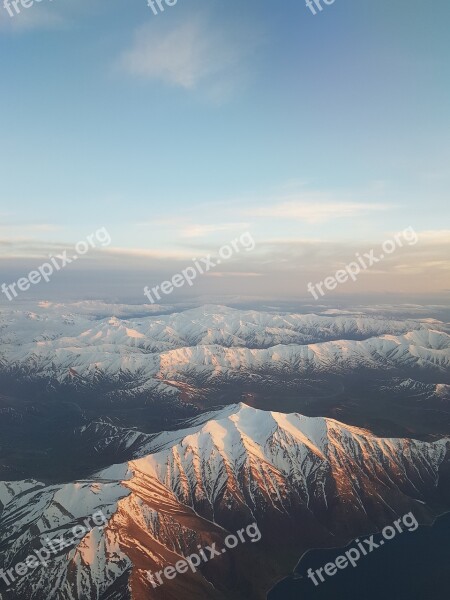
305, 481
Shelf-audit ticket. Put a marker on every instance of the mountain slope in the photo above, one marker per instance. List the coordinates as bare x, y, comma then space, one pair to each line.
304, 481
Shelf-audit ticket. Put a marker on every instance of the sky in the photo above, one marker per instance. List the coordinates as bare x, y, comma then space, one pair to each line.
320, 135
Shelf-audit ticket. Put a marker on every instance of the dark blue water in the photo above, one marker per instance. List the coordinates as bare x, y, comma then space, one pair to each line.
412, 566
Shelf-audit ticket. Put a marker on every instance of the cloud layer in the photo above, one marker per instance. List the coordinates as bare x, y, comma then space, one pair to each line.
273, 270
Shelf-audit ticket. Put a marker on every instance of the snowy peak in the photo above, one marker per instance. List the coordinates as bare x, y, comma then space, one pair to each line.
170, 354
305, 481
240, 438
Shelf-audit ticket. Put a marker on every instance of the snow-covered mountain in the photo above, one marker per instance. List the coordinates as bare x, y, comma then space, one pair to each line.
154, 355
71, 375
305, 482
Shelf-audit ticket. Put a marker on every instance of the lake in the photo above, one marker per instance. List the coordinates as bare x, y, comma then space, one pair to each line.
412, 566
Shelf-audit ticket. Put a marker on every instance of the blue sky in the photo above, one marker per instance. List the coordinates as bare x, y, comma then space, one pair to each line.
179, 131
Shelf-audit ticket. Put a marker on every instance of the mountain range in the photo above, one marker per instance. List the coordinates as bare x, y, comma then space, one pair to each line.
184, 427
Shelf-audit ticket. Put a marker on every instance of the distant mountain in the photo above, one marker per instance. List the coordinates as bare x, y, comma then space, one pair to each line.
306, 482
165, 354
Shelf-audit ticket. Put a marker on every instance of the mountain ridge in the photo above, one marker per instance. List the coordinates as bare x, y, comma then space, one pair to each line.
306, 481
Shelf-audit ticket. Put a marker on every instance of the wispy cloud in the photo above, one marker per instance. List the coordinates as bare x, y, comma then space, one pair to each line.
222, 274
311, 211
27, 231
193, 55
198, 230
45, 15
34, 17
182, 230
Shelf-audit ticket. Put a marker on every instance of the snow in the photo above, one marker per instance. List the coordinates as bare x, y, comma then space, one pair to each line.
212, 341
237, 457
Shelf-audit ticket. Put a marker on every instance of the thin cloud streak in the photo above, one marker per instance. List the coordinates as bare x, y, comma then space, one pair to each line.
195, 231
313, 212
